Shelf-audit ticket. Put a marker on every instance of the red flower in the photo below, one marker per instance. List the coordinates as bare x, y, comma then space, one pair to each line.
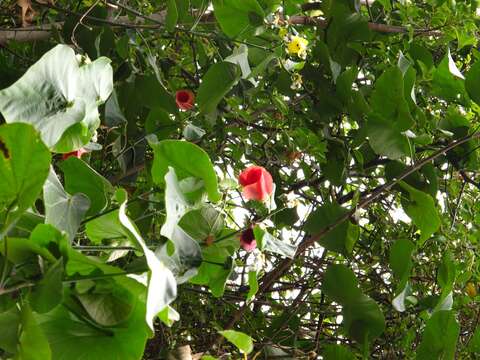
247, 240
77, 153
184, 99
257, 183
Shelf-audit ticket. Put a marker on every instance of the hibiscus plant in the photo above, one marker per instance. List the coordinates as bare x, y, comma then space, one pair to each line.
226, 179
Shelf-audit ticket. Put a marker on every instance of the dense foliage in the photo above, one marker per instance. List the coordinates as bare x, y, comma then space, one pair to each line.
251, 178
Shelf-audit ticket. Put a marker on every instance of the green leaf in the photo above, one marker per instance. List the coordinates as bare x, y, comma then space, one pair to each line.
472, 84
108, 309
106, 227
362, 316
340, 284
388, 101
202, 223
33, 344
20, 250
48, 292
439, 337
188, 160
160, 124
9, 324
81, 178
401, 265
168, 316
63, 211
446, 85
342, 238
401, 258
337, 352
187, 250
57, 94
172, 15
153, 95
446, 277
252, 284
72, 338
334, 168
238, 18
270, 243
390, 116
242, 341
421, 209
162, 288
218, 265
24, 166
216, 83
363, 319
385, 139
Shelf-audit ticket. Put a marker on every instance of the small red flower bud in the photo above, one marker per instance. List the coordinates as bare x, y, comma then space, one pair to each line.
247, 240
257, 183
77, 153
184, 99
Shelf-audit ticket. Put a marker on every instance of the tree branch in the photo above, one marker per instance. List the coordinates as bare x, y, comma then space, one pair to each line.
44, 32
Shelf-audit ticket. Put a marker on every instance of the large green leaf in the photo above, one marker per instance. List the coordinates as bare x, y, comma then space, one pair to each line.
9, 323
217, 265
238, 18
108, 308
340, 284
242, 341
188, 160
390, 116
342, 238
439, 337
337, 352
363, 319
48, 292
420, 207
448, 86
153, 95
162, 288
388, 100
472, 84
446, 277
216, 83
401, 265
202, 223
81, 178
385, 139
172, 15
268, 242
187, 253
72, 338
362, 316
63, 211
24, 166
59, 93
33, 343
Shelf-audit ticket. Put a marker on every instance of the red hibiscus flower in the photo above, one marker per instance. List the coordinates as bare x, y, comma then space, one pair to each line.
247, 240
257, 183
184, 99
77, 153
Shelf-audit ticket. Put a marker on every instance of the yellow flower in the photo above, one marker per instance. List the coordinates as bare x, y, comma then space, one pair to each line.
282, 32
297, 46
